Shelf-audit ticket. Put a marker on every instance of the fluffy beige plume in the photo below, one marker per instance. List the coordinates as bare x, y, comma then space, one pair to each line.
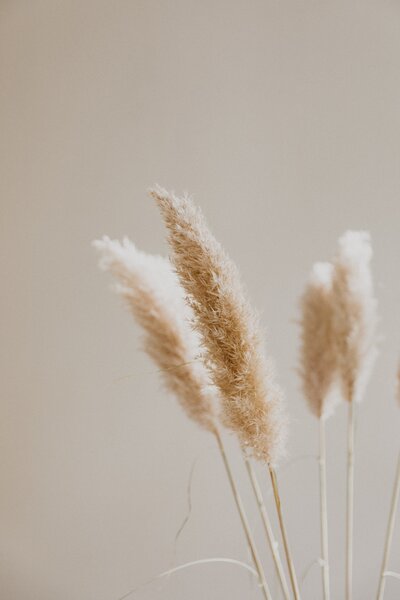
355, 313
318, 355
154, 296
251, 400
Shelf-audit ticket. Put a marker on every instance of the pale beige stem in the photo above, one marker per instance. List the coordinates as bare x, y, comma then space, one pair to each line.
246, 527
350, 501
390, 531
292, 573
323, 508
267, 527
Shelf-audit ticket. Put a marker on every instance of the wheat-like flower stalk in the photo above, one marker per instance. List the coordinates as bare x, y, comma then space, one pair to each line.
318, 369
355, 313
318, 354
355, 322
152, 291
252, 402
251, 399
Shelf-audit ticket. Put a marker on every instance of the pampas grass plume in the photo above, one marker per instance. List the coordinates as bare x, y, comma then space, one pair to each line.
152, 292
355, 312
251, 399
318, 353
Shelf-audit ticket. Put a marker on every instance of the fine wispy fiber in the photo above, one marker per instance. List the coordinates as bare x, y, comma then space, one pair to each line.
251, 399
398, 385
318, 352
355, 313
152, 292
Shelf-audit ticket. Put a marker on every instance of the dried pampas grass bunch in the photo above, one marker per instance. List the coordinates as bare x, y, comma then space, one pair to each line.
152, 292
338, 333
204, 336
252, 401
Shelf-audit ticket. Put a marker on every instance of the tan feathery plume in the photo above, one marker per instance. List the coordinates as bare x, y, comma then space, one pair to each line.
251, 400
355, 312
319, 366
318, 353
152, 292
355, 322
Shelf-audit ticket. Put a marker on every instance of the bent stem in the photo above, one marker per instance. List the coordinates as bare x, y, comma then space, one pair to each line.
390, 531
350, 502
246, 527
267, 527
289, 561
323, 508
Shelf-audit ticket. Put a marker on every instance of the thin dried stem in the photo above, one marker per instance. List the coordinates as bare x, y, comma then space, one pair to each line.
350, 501
289, 560
323, 508
389, 533
245, 523
150, 287
273, 544
188, 565
392, 574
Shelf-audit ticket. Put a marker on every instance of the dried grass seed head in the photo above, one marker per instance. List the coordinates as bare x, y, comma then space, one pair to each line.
355, 313
152, 292
318, 351
252, 402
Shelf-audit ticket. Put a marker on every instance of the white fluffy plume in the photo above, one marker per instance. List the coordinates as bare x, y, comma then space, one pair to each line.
355, 313
153, 294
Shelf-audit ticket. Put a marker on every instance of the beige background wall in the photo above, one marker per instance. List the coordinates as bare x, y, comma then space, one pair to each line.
282, 118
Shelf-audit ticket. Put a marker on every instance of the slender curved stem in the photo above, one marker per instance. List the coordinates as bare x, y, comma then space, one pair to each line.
267, 527
188, 565
323, 508
392, 574
350, 501
246, 527
390, 531
289, 561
